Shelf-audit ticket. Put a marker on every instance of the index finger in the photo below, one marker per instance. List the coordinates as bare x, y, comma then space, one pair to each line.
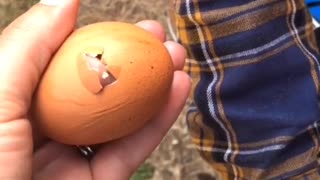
25, 49
177, 51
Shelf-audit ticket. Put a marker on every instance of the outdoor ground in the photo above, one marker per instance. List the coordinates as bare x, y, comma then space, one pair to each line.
175, 158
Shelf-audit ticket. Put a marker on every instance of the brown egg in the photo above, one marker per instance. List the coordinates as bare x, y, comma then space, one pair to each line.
105, 82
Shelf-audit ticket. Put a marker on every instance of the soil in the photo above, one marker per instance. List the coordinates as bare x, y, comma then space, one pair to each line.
175, 158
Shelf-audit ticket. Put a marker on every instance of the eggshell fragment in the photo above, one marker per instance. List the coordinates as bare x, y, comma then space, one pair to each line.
90, 72
80, 101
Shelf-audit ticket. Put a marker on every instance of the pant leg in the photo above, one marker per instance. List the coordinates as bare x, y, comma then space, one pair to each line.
253, 112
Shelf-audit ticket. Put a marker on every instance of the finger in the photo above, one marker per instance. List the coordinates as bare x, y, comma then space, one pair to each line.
126, 154
154, 27
26, 46
56, 161
178, 54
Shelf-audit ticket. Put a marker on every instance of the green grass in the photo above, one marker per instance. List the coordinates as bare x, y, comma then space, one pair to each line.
145, 172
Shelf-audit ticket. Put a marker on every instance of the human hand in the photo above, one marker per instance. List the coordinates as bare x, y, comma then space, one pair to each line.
26, 47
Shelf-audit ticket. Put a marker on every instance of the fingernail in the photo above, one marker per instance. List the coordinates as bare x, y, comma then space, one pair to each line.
54, 2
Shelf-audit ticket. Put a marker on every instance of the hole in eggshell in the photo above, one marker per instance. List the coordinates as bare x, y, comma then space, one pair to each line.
99, 56
95, 64
107, 78
94, 74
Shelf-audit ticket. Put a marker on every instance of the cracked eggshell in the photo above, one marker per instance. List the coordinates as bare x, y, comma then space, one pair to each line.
67, 111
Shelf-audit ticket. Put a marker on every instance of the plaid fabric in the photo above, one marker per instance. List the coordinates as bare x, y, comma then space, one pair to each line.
254, 111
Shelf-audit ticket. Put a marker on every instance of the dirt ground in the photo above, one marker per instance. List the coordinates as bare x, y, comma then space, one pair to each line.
175, 158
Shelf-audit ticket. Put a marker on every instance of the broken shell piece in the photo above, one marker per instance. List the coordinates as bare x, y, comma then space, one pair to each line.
94, 52
93, 73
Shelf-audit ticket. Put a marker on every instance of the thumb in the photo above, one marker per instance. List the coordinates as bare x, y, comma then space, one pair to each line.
26, 47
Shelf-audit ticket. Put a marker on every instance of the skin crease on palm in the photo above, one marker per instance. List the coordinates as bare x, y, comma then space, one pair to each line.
26, 47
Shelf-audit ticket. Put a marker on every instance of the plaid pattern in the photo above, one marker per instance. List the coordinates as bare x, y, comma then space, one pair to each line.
254, 111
